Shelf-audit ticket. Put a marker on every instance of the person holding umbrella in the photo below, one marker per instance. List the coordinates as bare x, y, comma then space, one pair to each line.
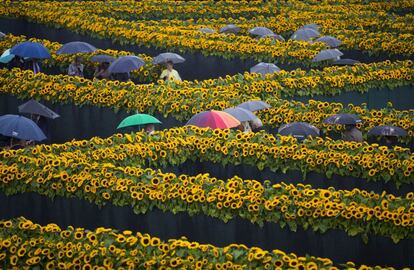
170, 73
351, 133
32, 51
76, 67
101, 71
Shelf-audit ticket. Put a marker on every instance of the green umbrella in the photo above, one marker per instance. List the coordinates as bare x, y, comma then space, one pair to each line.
137, 120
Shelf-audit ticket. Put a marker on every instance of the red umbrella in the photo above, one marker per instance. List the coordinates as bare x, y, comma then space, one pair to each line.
213, 119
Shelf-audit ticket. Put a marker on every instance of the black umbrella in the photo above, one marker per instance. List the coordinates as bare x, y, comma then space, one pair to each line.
387, 131
298, 130
343, 119
34, 107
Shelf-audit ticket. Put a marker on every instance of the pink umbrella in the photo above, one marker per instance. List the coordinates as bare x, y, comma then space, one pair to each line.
213, 119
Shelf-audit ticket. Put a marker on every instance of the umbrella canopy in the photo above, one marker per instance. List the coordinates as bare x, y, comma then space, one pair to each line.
166, 57
313, 26
305, 34
230, 28
34, 107
20, 127
330, 41
31, 50
254, 105
260, 31
329, 54
2, 35
241, 114
76, 47
264, 68
6, 57
345, 62
102, 58
274, 36
387, 131
138, 120
343, 119
207, 30
125, 64
298, 130
213, 119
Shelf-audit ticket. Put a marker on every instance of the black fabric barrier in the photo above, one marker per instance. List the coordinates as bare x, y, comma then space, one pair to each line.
334, 244
196, 67
88, 121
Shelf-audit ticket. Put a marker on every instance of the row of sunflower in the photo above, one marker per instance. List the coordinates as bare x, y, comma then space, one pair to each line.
148, 73
262, 150
181, 101
27, 244
185, 36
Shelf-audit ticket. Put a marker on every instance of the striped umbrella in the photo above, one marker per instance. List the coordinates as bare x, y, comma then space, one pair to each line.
213, 119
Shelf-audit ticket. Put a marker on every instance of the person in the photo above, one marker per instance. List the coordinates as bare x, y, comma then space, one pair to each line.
76, 67
245, 127
170, 73
150, 129
352, 134
122, 77
390, 141
33, 65
19, 145
101, 71
256, 124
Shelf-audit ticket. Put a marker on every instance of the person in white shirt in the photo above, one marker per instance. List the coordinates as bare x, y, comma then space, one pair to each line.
76, 67
170, 74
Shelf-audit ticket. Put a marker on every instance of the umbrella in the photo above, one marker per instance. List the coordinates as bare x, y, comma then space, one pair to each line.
254, 105
274, 36
31, 50
6, 57
34, 107
102, 58
138, 119
20, 127
264, 68
329, 54
298, 130
241, 114
261, 31
125, 64
2, 35
343, 119
305, 34
76, 47
313, 26
345, 62
387, 131
166, 57
207, 30
230, 28
213, 119
330, 41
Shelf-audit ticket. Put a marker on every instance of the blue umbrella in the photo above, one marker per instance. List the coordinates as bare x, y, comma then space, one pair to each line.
260, 31
329, 54
20, 127
126, 64
274, 36
305, 34
264, 68
102, 58
31, 50
6, 57
330, 41
343, 119
166, 57
254, 105
345, 62
298, 130
241, 114
387, 131
230, 28
207, 30
76, 47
